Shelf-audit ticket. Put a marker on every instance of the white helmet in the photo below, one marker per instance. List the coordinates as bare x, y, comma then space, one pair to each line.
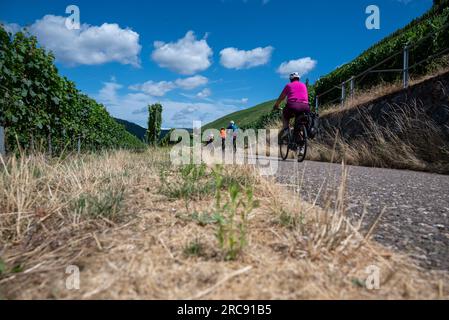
295, 75
232, 122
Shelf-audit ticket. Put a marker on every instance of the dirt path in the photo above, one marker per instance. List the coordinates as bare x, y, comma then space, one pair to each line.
416, 218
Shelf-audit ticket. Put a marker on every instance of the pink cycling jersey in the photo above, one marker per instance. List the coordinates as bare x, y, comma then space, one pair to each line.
296, 92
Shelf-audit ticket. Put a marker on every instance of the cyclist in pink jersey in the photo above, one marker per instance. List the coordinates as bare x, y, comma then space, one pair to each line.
297, 99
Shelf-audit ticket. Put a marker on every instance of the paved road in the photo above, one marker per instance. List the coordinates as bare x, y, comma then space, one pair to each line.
416, 220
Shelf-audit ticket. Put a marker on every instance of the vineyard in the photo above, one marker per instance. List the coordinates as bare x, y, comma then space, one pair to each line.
41, 109
427, 36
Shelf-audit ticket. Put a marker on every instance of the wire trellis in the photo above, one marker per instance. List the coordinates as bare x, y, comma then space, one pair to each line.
404, 70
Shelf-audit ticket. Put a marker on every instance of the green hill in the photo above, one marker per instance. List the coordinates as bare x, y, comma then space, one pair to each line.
139, 131
133, 128
242, 118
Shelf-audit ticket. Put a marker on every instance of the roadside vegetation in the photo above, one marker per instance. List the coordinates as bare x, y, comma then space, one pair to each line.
40, 109
141, 228
416, 143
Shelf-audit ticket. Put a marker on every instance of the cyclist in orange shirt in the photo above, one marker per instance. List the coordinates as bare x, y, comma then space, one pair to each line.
223, 138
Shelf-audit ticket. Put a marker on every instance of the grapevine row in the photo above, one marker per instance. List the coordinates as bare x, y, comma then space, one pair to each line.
37, 105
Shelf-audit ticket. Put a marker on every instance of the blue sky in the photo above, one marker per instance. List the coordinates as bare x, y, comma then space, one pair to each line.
201, 59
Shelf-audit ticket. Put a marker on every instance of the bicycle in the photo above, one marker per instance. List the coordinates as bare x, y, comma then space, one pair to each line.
295, 139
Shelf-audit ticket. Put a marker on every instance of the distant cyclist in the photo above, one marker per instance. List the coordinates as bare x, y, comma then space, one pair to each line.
223, 138
297, 99
232, 126
210, 140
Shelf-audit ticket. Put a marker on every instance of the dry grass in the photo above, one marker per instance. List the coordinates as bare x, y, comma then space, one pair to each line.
151, 245
411, 140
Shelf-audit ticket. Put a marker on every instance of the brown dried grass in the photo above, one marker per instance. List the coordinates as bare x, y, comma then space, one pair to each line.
140, 251
412, 141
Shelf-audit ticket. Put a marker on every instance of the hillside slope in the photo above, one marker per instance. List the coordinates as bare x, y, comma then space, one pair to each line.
133, 128
422, 46
242, 118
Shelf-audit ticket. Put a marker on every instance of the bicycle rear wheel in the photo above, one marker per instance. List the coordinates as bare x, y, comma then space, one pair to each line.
284, 144
302, 147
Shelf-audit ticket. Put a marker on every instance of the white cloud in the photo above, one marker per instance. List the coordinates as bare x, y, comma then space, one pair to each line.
191, 82
205, 93
302, 66
122, 105
160, 89
182, 115
185, 56
155, 89
233, 58
133, 107
108, 94
91, 45
236, 101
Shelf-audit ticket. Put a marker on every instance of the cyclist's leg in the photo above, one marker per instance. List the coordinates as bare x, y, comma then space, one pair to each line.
300, 135
296, 131
287, 115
